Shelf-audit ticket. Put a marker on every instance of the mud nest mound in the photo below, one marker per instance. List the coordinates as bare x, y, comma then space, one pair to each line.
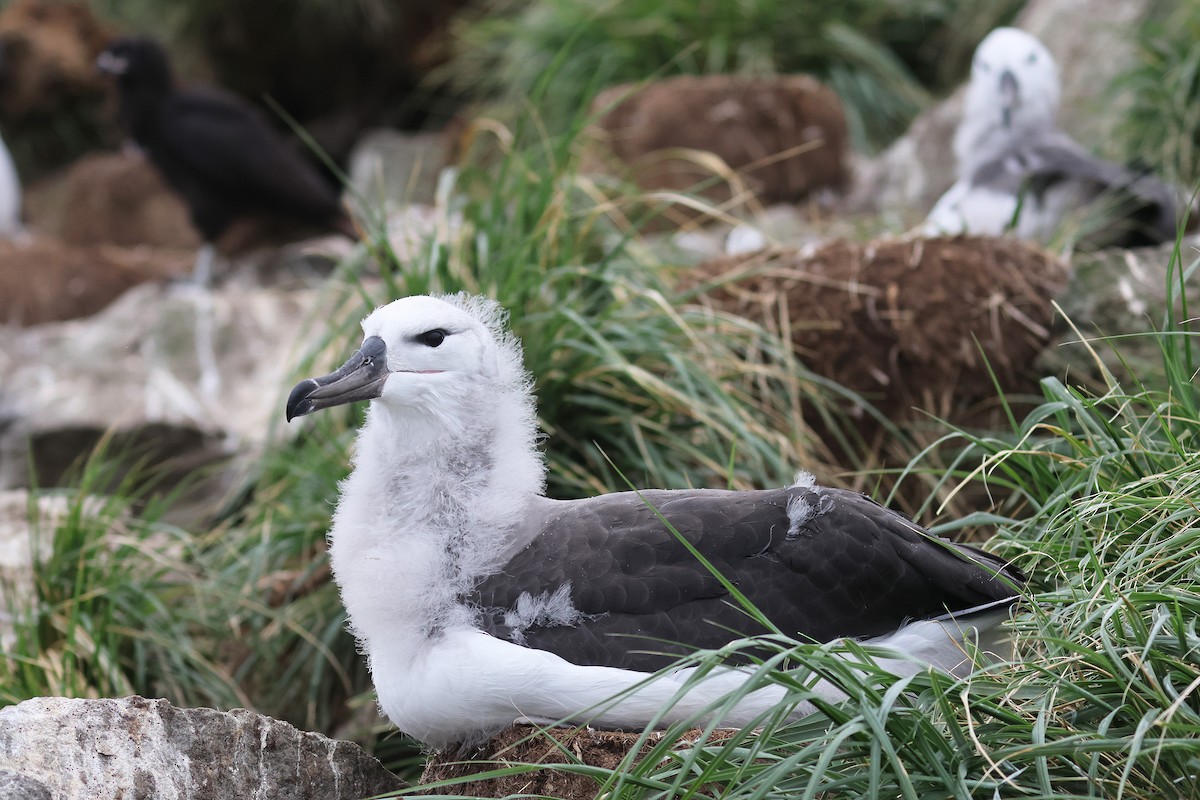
777, 139
45, 280
524, 744
912, 326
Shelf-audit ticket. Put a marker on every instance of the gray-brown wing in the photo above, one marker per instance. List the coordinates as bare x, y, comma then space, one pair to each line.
1041, 162
607, 582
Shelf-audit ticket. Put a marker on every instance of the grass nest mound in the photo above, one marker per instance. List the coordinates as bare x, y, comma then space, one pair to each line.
911, 325
727, 138
534, 753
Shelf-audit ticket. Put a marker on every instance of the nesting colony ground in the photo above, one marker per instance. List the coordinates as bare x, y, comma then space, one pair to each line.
907, 324
524, 744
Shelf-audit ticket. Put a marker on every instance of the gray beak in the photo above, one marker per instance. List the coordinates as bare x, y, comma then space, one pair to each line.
1010, 95
110, 64
360, 378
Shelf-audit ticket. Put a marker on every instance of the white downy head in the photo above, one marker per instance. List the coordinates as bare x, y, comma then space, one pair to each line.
1014, 89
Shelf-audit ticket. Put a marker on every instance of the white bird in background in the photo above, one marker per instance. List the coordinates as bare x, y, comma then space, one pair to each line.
1017, 171
481, 602
10, 195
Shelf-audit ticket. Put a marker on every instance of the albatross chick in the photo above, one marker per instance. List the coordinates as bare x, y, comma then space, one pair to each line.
1018, 170
480, 602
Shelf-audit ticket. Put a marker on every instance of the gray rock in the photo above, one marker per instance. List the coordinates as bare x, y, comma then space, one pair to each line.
15, 786
138, 748
909, 177
1091, 41
1118, 293
182, 377
389, 169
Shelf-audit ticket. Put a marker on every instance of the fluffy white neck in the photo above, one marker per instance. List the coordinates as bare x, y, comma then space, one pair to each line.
427, 510
982, 136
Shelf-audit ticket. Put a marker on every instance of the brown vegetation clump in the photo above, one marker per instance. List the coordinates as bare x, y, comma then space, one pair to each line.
50, 51
111, 198
524, 744
911, 325
44, 280
784, 137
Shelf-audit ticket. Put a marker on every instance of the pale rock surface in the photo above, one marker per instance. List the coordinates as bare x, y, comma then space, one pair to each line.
390, 169
138, 748
1119, 293
15, 786
183, 376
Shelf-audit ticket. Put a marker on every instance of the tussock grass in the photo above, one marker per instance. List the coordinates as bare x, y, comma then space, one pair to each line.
115, 600
1162, 124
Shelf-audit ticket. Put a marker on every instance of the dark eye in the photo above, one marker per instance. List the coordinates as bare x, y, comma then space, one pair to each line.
432, 338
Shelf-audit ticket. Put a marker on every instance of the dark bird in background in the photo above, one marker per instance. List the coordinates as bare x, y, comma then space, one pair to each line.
216, 150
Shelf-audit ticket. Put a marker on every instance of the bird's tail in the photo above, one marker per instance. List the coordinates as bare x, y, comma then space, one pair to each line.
951, 643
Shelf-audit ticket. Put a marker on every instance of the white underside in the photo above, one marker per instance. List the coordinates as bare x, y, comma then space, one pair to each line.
470, 685
981, 211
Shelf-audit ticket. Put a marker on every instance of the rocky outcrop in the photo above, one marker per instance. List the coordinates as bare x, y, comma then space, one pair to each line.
15, 786
174, 375
1092, 44
138, 748
390, 169
775, 139
908, 178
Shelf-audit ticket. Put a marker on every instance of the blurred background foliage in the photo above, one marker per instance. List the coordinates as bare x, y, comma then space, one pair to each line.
1161, 128
884, 58
339, 67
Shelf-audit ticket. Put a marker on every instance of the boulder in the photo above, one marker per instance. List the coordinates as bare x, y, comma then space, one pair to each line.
15, 786
175, 375
908, 178
1091, 43
46, 280
139, 748
907, 324
784, 138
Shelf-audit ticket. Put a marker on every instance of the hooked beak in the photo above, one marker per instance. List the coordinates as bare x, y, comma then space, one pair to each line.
360, 378
110, 64
1010, 95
